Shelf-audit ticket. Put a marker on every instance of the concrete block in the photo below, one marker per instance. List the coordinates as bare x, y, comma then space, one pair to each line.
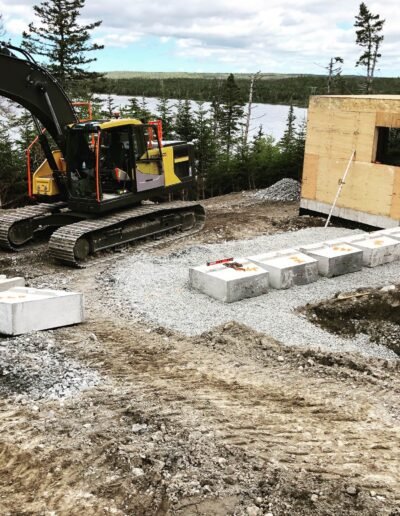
7, 283
391, 233
230, 284
29, 309
335, 259
287, 268
377, 249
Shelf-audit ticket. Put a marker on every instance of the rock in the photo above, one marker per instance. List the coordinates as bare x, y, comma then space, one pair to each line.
253, 510
351, 490
388, 288
138, 428
280, 359
137, 472
314, 498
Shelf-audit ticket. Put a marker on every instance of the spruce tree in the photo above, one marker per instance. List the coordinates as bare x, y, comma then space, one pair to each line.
12, 171
110, 107
369, 38
205, 148
231, 113
144, 114
184, 125
165, 114
62, 41
132, 109
288, 137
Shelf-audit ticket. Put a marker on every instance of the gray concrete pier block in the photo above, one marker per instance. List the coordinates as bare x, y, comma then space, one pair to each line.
335, 259
23, 310
287, 268
391, 233
7, 283
377, 248
229, 284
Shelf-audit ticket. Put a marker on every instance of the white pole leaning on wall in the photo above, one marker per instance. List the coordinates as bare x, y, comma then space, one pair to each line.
341, 183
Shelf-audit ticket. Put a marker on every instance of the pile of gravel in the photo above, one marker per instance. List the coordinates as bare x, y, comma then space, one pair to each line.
156, 289
284, 190
32, 367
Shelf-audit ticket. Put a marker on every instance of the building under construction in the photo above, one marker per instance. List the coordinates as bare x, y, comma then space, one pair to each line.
360, 134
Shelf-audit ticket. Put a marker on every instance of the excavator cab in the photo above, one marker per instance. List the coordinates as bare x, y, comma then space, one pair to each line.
109, 160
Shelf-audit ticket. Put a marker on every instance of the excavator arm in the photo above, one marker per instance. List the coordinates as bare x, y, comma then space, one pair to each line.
34, 88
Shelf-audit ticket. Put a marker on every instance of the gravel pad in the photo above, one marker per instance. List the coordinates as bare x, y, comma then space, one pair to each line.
31, 367
156, 289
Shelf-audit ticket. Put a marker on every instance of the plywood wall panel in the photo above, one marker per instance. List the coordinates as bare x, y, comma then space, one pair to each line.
310, 175
395, 208
336, 126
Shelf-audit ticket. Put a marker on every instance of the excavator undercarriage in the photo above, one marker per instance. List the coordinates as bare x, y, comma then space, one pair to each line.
74, 240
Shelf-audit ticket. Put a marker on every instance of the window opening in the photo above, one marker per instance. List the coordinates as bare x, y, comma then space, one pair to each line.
388, 146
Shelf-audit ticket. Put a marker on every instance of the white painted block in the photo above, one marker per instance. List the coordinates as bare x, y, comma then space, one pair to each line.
7, 283
287, 268
230, 284
29, 309
377, 248
335, 259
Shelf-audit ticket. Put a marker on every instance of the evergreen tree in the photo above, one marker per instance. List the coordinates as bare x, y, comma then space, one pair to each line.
58, 37
144, 114
289, 135
184, 125
205, 148
110, 108
369, 38
12, 171
165, 114
231, 113
132, 109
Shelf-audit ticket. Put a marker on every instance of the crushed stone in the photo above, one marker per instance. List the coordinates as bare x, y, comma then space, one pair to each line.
284, 190
156, 289
33, 368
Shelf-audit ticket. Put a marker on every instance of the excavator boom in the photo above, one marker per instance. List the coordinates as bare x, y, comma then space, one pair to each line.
30, 85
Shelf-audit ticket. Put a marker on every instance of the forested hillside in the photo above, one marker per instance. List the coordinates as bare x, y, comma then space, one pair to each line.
269, 89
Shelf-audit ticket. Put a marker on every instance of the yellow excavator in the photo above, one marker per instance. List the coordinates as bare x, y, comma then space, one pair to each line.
91, 188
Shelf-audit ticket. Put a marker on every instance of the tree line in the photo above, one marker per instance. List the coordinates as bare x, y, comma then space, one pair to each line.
286, 90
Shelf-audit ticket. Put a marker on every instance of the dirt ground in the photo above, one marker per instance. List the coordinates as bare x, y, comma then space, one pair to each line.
228, 423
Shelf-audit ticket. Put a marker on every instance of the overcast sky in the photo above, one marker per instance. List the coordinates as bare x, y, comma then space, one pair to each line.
292, 36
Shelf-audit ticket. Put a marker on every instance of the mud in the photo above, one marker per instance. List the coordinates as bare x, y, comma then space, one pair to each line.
227, 423
374, 312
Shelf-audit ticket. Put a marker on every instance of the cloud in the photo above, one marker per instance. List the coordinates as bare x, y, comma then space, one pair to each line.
278, 35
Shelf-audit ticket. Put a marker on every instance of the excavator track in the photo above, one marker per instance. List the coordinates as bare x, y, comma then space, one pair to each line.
15, 225
72, 244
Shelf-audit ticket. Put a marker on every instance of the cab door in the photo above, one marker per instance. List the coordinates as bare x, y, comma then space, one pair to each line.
150, 173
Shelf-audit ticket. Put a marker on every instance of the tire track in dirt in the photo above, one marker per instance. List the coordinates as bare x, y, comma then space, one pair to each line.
313, 423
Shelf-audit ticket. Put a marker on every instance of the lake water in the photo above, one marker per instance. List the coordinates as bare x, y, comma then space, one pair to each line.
271, 117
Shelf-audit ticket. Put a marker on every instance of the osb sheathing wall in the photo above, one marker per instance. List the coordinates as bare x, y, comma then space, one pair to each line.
336, 126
